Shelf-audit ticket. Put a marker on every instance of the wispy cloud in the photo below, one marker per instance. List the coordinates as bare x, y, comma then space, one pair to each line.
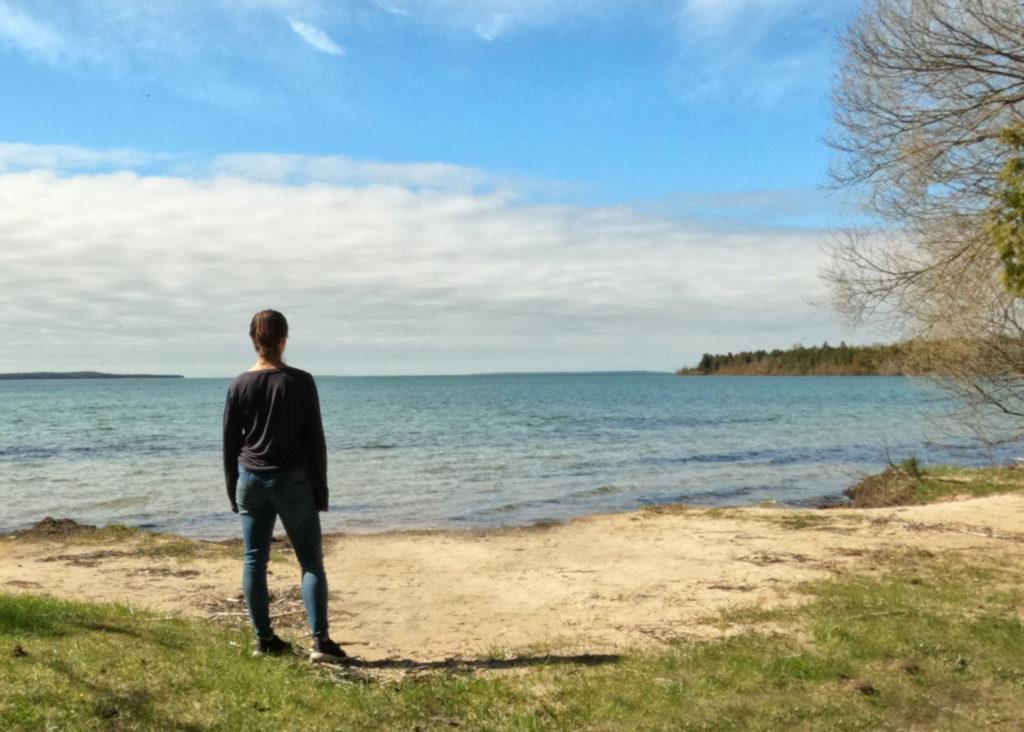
193, 48
26, 33
342, 170
274, 168
70, 158
779, 207
162, 272
717, 17
757, 51
754, 50
316, 38
491, 19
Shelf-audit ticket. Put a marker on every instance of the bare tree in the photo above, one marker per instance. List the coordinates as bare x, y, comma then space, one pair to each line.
924, 96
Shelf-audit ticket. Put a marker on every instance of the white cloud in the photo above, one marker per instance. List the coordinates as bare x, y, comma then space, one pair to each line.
316, 38
126, 272
342, 170
276, 168
20, 156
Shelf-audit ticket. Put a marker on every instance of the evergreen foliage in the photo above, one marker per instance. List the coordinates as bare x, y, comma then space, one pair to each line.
804, 360
1007, 226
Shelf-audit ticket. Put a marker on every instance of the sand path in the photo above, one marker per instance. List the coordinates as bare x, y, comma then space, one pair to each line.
594, 585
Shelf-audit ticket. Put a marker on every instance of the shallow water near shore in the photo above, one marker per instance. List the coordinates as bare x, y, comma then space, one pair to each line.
470, 451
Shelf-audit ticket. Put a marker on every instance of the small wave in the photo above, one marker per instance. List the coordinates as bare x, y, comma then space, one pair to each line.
601, 490
788, 456
89, 452
27, 453
121, 502
724, 495
732, 457
355, 508
664, 422
498, 510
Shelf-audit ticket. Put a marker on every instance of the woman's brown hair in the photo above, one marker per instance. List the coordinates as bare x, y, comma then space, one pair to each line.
267, 329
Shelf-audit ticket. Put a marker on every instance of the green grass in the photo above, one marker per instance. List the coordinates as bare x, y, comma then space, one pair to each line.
804, 520
908, 483
937, 484
118, 540
933, 642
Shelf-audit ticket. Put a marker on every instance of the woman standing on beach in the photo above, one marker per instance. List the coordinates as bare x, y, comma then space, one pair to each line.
275, 464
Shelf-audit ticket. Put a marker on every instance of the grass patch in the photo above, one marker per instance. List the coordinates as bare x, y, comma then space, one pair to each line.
936, 484
167, 546
51, 529
908, 483
932, 642
798, 520
115, 540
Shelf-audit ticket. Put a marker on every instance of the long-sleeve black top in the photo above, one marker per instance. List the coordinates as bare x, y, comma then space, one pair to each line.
272, 420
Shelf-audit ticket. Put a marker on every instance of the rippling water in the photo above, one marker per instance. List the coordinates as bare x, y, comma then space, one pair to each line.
466, 451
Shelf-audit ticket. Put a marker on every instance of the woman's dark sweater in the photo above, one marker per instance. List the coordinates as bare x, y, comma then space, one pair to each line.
272, 421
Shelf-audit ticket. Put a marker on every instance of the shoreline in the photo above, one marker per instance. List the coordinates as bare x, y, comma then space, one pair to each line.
818, 503
467, 531
899, 485
599, 583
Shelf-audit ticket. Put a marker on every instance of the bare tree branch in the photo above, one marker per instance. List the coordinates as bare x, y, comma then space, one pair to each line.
923, 94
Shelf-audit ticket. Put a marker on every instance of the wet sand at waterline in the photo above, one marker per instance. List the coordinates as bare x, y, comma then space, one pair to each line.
593, 585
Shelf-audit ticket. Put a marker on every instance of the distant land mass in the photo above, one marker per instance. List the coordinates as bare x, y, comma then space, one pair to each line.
571, 373
84, 375
823, 360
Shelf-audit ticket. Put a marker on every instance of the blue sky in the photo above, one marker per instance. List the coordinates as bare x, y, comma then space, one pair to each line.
609, 152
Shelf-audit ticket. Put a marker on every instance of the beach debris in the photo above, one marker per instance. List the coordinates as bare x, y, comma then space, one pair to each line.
85, 559
729, 587
669, 508
22, 583
50, 526
894, 486
286, 607
949, 527
762, 558
660, 633
164, 572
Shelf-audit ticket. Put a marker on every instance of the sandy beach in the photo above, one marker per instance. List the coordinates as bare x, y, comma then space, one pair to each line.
593, 585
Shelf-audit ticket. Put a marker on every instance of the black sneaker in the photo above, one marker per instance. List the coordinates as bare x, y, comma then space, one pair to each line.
272, 646
327, 651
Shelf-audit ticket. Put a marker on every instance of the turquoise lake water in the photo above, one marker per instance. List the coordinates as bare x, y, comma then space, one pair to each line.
469, 451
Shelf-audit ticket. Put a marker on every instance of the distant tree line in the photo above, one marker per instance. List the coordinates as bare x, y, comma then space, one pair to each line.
799, 360
26, 375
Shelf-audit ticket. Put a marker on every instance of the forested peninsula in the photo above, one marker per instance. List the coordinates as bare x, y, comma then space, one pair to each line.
84, 375
823, 360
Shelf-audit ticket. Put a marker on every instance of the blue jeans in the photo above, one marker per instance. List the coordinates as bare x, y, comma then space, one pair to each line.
262, 497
